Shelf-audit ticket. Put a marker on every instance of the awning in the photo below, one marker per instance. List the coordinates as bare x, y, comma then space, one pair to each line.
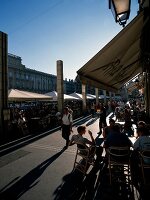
19, 95
79, 96
118, 61
53, 94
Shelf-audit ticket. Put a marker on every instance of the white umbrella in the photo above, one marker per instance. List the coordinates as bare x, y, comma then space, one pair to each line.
66, 96
53, 94
92, 96
77, 95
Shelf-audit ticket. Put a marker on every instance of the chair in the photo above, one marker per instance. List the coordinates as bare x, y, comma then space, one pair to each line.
145, 163
84, 158
119, 163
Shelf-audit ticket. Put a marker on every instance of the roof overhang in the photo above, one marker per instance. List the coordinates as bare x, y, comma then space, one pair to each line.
118, 61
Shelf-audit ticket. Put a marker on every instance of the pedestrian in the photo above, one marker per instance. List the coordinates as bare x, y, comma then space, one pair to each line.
102, 118
66, 125
70, 110
93, 109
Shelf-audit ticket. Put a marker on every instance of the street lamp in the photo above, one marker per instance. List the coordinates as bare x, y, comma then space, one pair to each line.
120, 10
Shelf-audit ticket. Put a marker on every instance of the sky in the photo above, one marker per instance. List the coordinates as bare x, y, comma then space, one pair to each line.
44, 31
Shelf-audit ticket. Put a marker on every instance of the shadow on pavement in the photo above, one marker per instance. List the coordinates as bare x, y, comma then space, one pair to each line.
95, 186
118, 190
68, 188
28, 181
81, 122
76, 186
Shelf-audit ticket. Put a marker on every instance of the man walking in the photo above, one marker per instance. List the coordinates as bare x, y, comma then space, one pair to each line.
102, 117
66, 125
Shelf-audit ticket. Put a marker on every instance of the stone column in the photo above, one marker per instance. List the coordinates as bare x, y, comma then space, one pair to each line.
110, 94
84, 97
97, 96
60, 85
4, 111
145, 56
104, 92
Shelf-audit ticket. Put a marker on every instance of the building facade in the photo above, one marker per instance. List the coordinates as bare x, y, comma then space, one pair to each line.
22, 78
27, 79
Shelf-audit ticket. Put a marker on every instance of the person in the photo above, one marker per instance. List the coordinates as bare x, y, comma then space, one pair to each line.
143, 140
66, 125
128, 123
117, 113
140, 124
141, 143
108, 129
98, 109
58, 117
93, 109
117, 138
78, 138
70, 110
102, 118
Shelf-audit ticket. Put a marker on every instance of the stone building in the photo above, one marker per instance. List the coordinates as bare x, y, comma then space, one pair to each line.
22, 78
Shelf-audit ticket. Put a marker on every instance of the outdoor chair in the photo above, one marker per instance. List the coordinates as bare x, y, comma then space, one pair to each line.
84, 158
119, 164
145, 165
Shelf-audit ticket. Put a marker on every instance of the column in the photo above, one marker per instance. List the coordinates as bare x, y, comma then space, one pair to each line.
104, 92
84, 96
60, 85
97, 95
113, 94
110, 95
4, 111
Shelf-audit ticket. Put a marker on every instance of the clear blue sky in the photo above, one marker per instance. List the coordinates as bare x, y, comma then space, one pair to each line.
44, 31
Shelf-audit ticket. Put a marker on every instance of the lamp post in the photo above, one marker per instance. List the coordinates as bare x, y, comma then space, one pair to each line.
120, 10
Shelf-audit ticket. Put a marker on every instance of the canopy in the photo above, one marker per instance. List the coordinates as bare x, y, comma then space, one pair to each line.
90, 96
66, 97
53, 94
103, 96
100, 96
118, 61
79, 96
19, 95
